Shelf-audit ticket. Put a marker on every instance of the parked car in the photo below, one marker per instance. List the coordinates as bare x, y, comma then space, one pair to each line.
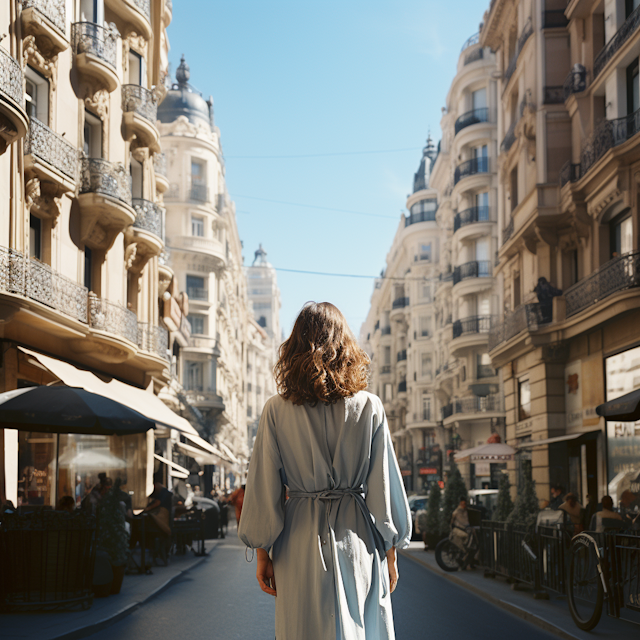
416, 503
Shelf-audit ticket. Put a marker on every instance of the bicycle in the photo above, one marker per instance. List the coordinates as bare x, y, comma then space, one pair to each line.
450, 557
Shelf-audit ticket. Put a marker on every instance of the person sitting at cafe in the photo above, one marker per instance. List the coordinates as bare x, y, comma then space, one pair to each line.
90, 501
573, 509
556, 496
66, 503
607, 513
159, 507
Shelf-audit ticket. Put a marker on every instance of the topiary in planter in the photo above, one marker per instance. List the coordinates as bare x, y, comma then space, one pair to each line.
504, 505
113, 537
454, 490
526, 508
431, 534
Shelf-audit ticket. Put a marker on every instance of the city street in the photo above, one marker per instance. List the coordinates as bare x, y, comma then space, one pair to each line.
221, 599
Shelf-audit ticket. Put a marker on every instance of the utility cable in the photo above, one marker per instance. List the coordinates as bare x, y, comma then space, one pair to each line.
322, 155
354, 275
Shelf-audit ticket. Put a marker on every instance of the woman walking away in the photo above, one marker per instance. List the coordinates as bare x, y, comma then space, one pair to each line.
332, 545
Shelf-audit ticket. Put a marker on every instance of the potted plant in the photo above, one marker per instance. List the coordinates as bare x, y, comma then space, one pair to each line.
113, 537
431, 520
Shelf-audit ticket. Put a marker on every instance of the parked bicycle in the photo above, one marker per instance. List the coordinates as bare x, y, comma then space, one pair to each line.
457, 552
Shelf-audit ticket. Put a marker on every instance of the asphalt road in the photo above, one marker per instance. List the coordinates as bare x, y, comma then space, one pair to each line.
221, 600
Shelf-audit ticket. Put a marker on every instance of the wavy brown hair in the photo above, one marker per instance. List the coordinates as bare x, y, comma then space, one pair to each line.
321, 360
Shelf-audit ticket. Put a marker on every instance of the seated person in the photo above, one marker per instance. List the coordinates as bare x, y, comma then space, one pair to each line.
607, 513
573, 509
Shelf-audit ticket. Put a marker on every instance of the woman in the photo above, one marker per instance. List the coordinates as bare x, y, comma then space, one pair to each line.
333, 542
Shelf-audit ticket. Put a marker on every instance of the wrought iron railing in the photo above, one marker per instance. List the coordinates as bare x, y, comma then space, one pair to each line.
148, 216
198, 293
153, 339
173, 192
620, 273
473, 324
447, 411
38, 281
385, 331
11, 81
144, 6
137, 99
509, 137
608, 134
554, 18
474, 269
402, 386
569, 173
554, 95
470, 168
507, 232
526, 316
160, 164
484, 371
623, 34
474, 39
402, 355
104, 177
385, 368
474, 116
112, 317
96, 40
527, 31
53, 10
45, 144
576, 81
400, 303
169, 5
199, 193
469, 216
421, 216
477, 404
476, 54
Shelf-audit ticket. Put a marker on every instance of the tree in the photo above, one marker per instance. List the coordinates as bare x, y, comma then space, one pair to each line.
525, 510
504, 507
432, 523
454, 491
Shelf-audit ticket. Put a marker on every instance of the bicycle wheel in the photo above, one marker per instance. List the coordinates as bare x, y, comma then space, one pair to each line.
448, 555
586, 592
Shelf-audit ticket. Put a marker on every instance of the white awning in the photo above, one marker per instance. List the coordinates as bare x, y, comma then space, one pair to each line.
176, 470
540, 443
228, 453
200, 456
140, 400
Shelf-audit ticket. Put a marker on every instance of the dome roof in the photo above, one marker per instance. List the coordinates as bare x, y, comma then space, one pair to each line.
422, 175
183, 100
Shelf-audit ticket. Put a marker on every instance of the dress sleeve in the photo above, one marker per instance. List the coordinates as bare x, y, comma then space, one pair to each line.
386, 497
262, 518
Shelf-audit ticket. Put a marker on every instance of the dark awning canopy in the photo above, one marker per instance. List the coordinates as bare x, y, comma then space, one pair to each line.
625, 408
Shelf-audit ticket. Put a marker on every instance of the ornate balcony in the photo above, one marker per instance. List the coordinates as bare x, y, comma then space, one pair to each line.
50, 157
473, 405
576, 81
526, 316
135, 12
160, 171
199, 193
400, 303
474, 269
211, 247
470, 216
154, 340
46, 20
94, 47
385, 369
147, 233
140, 112
13, 118
527, 32
553, 95
473, 40
402, 355
473, 324
38, 282
614, 45
475, 116
105, 202
617, 275
198, 293
470, 168
385, 331
168, 12
509, 138
473, 56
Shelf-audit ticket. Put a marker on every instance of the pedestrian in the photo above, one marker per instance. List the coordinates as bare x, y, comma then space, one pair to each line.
557, 493
573, 509
237, 499
331, 547
460, 525
607, 513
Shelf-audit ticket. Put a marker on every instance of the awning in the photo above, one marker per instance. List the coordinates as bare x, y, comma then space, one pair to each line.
490, 452
228, 453
626, 408
540, 443
142, 401
203, 444
200, 456
177, 470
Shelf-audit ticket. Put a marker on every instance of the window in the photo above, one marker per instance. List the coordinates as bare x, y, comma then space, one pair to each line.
197, 226
482, 206
37, 95
425, 209
479, 99
262, 321
196, 288
388, 392
88, 261
481, 152
197, 323
482, 249
137, 71
514, 188
484, 368
621, 235
198, 181
483, 305
194, 376
425, 252
92, 11
387, 355
197, 172
249, 412
631, 6
92, 145
35, 237
426, 407
423, 324
425, 365
516, 290
524, 399
136, 178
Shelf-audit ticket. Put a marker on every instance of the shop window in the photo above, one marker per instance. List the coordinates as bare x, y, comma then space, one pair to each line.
36, 95
92, 145
37, 454
524, 399
35, 237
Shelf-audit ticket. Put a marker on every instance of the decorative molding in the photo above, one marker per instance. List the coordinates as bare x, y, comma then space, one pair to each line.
132, 40
44, 63
96, 99
42, 198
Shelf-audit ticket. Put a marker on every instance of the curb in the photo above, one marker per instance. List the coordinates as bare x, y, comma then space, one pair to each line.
503, 604
100, 625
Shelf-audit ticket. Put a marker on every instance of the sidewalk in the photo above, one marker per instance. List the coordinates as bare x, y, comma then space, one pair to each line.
551, 615
69, 625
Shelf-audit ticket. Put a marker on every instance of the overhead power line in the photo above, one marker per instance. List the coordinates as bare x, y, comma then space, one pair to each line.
313, 206
322, 155
353, 275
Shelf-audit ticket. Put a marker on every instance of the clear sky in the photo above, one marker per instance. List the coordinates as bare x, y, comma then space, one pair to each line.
299, 78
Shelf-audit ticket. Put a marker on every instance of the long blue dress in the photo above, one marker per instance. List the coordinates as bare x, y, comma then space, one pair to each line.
347, 506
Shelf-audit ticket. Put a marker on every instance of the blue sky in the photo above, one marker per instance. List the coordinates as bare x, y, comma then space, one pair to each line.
296, 78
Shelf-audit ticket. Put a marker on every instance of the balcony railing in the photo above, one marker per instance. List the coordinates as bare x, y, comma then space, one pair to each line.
527, 31
476, 404
477, 54
447, 411
199, 193
198, 293
53, 10
475, 269
400, 303
148, 216
37, 281
137, 99
144, 6
576, 81
608, 134
111, 317
377, 326
469, 216
569, 173
470, 168
104, 177
385, 368
509, 137
160, 164
474, 39
473, 324
402, 386
620, 273
385, 331
623, 34
485, 371
94, 39
554, 95
45, 144
11, 81
526, 316
402, 355
507, 232
554, 18
421, 216
474, 116
153, 339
